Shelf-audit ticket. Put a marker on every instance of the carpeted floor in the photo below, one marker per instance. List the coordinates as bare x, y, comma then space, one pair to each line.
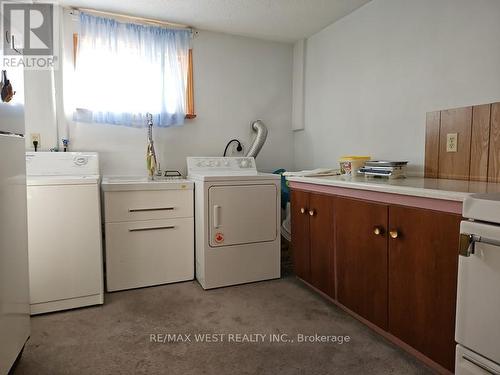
116, 338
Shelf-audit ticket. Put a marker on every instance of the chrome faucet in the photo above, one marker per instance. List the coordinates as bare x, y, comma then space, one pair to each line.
151, 159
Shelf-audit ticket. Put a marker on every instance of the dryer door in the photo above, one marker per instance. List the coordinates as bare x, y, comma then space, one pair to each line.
242, 214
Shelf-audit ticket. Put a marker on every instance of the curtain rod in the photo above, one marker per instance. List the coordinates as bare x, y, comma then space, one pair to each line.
135, 19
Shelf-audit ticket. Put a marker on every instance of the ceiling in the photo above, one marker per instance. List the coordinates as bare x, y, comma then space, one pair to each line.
279, 20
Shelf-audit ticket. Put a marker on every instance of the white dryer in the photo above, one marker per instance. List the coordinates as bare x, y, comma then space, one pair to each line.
237, 221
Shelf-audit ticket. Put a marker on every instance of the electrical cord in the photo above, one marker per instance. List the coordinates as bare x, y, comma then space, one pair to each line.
239, 148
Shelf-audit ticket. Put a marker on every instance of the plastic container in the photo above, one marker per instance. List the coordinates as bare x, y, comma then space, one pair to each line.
349, 165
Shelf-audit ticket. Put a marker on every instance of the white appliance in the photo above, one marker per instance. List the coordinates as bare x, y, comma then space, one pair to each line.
478, 295
149, 228
64, 230
237, 221
14, 288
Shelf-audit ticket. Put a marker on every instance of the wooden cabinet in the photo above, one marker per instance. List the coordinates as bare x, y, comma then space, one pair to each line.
395, 266
361, 258
300, 234
321, 242
312, 238
423, 263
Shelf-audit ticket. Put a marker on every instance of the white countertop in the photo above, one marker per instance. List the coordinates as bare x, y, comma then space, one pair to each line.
128, 183
453, 190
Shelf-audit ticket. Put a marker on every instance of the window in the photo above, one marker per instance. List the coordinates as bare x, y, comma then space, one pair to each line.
123, 71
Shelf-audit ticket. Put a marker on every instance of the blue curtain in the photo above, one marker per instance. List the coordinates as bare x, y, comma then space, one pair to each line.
125, 70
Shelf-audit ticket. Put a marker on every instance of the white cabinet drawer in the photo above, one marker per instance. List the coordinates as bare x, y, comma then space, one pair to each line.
144, 253
147, 205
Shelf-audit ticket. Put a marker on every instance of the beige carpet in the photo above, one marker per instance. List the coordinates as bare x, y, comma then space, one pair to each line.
116, 338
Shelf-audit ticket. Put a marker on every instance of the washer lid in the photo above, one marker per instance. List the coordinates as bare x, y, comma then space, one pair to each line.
483, 207
61, 180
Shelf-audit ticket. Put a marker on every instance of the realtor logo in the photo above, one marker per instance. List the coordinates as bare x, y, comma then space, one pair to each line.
28, 29
30, 35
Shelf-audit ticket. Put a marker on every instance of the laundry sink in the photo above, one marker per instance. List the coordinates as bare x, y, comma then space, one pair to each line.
128, 183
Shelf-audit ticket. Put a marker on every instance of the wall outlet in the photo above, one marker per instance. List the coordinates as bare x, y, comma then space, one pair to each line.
452, 142
35, 137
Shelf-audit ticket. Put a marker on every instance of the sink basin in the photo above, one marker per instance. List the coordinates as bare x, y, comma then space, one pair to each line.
127, 183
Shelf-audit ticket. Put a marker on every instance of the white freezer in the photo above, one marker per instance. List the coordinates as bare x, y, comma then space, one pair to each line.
14, 289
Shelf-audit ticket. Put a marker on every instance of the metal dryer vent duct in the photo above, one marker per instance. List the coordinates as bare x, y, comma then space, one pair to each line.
260, 138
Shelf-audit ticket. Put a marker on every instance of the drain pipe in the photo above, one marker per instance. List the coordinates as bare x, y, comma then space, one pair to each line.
260, 138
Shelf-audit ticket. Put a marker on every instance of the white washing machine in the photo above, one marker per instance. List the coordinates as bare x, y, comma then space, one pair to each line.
237, 221
64, 230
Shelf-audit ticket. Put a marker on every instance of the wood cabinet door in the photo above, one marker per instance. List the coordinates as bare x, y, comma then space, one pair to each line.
361, 258
423, 263
300, 233
321, 242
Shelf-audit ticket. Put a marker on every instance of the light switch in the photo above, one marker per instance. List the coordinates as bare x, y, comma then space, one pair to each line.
452, 142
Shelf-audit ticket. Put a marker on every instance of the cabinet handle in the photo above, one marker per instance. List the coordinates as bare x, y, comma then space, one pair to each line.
150, 209
152, 228
312, 212
302, 210
394, 233
378, 231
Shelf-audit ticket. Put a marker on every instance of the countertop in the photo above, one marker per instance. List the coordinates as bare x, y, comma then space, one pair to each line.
452, 190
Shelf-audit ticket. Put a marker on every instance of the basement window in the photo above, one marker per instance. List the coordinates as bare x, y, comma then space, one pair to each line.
124, 71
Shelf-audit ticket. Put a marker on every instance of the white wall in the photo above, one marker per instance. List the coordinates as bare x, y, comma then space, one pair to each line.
237, 80
40, 114
299, 50
372, 76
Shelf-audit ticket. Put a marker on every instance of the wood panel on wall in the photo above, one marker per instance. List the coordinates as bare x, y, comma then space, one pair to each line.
455, 165
494, 152
478, 144
433, 121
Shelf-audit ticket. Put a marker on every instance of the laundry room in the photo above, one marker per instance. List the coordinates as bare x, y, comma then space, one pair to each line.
249, 187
